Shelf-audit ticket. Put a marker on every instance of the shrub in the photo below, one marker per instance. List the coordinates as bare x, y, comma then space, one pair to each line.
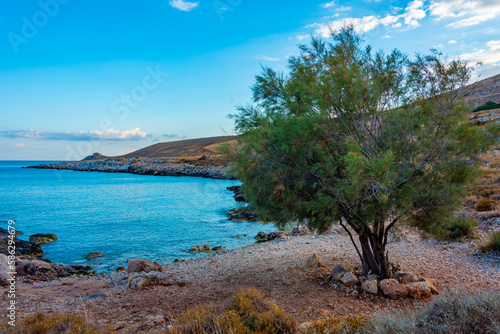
452, 312
487, 106
493, 245
337, 326
461, 227
486, 204
42, 323
249, 311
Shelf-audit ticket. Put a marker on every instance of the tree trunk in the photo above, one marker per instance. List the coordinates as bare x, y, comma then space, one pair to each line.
374, 256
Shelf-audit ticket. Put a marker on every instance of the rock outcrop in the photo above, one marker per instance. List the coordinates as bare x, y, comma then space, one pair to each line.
25, 248
208, 168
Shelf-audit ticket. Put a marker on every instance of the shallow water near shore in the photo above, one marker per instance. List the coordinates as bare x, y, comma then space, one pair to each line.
121, 215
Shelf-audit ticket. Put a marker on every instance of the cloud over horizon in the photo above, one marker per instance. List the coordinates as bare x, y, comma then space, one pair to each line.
184, 6
107, 134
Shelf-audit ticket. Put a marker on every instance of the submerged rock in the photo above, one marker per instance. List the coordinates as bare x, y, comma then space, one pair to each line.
43, 238
93, 255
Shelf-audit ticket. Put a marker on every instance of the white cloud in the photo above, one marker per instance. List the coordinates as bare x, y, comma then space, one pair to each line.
329, 4
452, 42
411, 16
267, 58
465, 12
489, 55
413, 13
343, 9
185, 6
439, 46
20, 145
386, 36
107, 134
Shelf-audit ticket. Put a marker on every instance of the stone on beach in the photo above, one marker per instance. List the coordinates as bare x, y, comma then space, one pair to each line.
139, 265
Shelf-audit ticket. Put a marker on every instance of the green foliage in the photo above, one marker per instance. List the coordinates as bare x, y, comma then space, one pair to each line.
493, 245
373, 139
458, 229
487, 106
249, 311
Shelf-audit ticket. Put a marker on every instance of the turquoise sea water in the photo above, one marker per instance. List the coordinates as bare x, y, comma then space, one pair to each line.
121, 215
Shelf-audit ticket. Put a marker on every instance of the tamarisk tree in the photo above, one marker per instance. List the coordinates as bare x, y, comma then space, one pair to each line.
366, 140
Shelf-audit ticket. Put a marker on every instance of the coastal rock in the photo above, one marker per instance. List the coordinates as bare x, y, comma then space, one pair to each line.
139, 265
39, 269
349, 279
393, 289
23, 248
337, 272
370, 286
244, 213
218, 248
200, 248
238, 194
43, 238
93, 255
419, 290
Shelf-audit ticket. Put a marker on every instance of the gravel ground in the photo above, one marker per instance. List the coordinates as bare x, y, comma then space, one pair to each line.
277, 268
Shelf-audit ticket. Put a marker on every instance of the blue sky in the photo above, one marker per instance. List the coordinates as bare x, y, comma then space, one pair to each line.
78, 77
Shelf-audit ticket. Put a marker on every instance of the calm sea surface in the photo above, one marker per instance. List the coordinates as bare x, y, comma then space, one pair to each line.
121, 215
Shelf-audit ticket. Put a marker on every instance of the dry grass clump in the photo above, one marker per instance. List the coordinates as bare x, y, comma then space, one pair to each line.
486, 204
453, 312
249, 311
337, 326
60, 323
493, 245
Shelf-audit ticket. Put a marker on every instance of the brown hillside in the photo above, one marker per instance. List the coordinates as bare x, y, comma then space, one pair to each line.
190, 148
478, 93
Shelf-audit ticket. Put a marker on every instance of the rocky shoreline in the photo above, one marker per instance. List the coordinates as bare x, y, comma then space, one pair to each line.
207, 167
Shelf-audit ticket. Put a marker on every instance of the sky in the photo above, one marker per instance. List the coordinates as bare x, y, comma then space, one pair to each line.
85, 76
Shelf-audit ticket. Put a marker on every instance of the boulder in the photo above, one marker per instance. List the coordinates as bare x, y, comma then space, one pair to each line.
313, 261
43, 238
93, 255
118, 279
393, 289
299, 230
337, 272
23, 248
349, 279
432, 283
404, 278
419, 290
370, 286
201, 248
138, 265
218, 248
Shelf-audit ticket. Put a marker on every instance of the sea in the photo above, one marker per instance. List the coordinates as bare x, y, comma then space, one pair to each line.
123, 216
